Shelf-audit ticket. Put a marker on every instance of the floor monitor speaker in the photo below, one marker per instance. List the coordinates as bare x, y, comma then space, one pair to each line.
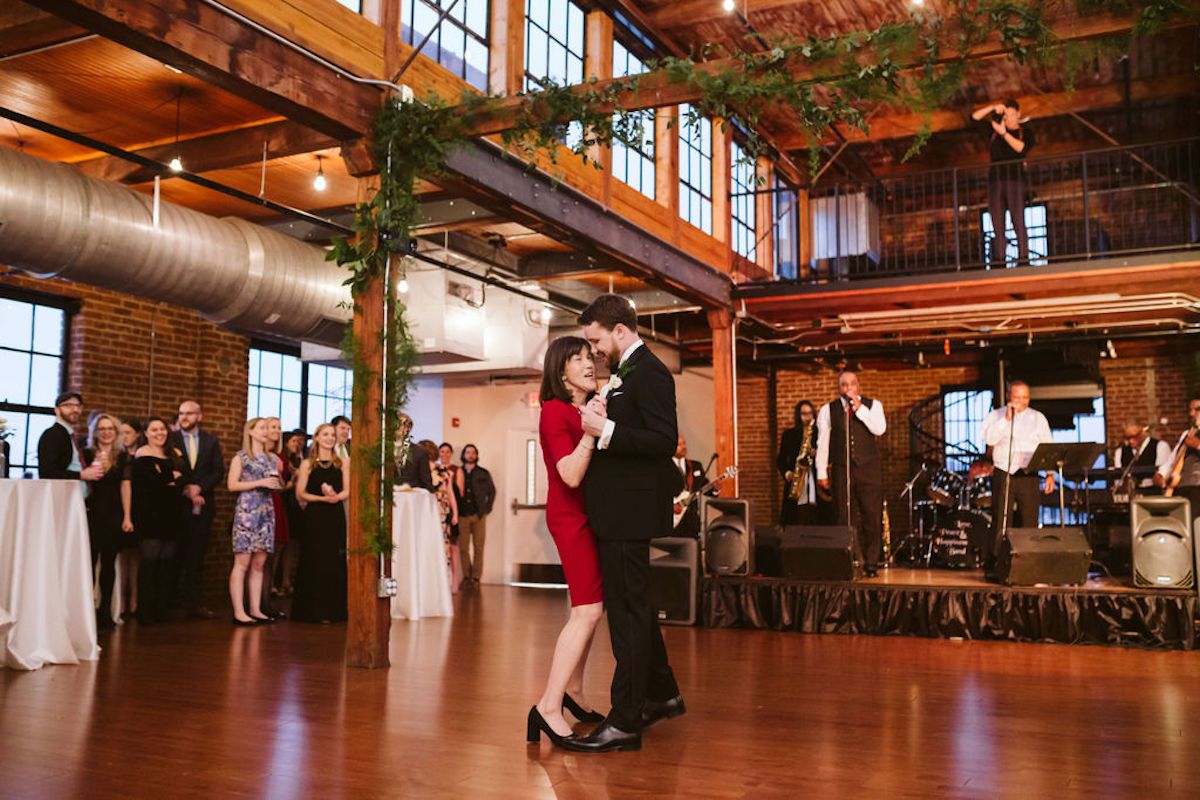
728, 536
674, 568
1043, 555
1163, 556
819, 552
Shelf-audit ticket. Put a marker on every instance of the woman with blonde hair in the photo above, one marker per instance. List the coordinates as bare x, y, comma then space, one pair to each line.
110, 523
321, 485
253, 474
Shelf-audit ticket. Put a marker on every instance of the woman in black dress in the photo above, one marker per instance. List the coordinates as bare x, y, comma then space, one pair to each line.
110, 524
321, 486
158, 517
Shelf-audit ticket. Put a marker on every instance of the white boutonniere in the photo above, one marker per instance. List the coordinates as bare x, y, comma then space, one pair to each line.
617, 380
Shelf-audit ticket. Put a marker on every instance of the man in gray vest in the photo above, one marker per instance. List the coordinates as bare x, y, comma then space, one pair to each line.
848, 464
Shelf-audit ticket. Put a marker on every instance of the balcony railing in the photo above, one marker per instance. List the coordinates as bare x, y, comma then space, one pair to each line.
1096, 204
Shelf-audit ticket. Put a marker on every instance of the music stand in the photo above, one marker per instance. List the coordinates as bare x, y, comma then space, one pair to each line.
1059, 456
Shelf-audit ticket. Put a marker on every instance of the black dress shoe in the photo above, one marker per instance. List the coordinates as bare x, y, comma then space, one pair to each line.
536, 724
655, 711
603, 739
264, 620
251, 623
871, 572
577, 710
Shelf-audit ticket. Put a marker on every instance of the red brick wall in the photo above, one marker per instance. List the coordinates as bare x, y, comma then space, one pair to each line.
1152, 386
135, 358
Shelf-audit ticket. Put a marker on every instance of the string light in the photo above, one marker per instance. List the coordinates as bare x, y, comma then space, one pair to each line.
319, 182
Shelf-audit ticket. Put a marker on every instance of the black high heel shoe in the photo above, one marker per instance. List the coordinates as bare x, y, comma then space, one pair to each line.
536, 725
577, 711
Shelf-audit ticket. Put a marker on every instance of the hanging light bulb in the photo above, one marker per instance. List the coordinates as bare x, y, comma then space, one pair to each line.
319, 182
402, 286
728, 5
545, 315
176, 164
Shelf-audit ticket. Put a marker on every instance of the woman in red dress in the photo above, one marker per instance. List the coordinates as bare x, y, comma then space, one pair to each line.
567, 382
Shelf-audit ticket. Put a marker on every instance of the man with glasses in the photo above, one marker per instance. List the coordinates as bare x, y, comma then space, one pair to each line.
206, 468
1142, 455
1185, 459
59, 456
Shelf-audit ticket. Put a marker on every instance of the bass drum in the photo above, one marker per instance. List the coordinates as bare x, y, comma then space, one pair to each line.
945, 488
961, 539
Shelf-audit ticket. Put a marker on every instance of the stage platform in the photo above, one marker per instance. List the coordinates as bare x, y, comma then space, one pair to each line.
956, 604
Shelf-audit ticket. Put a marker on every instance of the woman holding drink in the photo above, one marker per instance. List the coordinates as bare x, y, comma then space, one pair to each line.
253, 474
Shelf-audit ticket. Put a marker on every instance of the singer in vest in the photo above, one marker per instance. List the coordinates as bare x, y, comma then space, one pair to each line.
848, 431
1143, 456
1185, 460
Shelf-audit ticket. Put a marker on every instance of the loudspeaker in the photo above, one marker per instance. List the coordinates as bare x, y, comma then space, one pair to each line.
767, 553
1162, 542
820, 552
728, 535
1043, 555
674, 568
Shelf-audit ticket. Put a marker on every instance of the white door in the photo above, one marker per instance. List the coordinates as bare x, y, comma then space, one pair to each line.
522, 501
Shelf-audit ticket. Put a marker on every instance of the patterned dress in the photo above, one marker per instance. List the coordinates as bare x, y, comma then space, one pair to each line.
254, 515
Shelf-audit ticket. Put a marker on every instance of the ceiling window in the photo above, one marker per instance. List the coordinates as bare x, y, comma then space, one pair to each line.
743, 203
634, 165
459, 43
695, 170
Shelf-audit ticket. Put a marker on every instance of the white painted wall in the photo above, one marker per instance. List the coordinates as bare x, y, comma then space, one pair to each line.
425, 405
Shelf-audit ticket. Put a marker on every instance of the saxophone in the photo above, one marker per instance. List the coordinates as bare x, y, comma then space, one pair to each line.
887, 536
803, 461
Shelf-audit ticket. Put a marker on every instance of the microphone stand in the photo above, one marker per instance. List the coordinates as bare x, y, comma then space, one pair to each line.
1006, 508
849, 417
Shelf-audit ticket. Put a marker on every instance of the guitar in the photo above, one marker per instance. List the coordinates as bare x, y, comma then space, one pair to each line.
684, 498
1177, 461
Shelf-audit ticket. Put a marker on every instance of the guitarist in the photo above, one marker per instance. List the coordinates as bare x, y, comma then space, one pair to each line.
1181, 475
685, 476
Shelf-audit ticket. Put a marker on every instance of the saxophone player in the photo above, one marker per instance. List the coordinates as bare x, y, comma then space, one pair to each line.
797, 450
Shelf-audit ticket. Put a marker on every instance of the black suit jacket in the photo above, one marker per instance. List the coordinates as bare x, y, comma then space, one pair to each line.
55, 451
628, 496
416, 472
210, 463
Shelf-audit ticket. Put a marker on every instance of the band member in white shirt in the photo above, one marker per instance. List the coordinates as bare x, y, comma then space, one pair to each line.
1025, 428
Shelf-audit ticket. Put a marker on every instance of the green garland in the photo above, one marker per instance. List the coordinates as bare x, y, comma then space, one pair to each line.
901, 65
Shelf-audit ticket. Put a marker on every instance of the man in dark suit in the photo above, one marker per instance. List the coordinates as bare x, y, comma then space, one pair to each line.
685, 480
59, 456
628, 505
413, 469
202, 451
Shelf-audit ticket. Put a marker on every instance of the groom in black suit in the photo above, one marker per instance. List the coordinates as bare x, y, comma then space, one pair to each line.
628, 504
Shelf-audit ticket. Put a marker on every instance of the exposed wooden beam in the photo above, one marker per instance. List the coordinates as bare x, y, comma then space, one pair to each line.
24, 28
1052, 104
688, 13
233, 56
215, 151
656, 89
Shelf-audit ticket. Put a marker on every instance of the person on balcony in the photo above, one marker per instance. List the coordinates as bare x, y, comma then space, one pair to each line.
1009, 146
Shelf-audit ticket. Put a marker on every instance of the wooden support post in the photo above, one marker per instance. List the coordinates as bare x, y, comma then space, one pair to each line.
722, 222
599, 64
506, 75
764, 216
369, 616
724, 359
803, 234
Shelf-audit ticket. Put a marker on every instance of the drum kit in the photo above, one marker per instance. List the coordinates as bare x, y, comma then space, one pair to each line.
950, 528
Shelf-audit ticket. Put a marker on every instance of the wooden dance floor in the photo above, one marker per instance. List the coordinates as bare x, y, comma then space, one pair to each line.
201, 709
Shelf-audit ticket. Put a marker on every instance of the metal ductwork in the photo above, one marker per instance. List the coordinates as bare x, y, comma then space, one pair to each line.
57, 222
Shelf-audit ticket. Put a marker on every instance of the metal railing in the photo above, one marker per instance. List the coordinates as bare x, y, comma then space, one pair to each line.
1094, 204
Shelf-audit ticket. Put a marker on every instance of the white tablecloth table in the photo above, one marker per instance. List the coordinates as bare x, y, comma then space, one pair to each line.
45, 575
419, 558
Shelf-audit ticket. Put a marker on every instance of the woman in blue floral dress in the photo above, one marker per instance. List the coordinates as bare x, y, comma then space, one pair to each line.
254, 474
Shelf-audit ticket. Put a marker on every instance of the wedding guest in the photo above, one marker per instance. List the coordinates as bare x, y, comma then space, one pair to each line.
156, 475
321, 486
131, 436
254, 474
131, 439
206, 468
293, 454
282, 537
478, 493
568, 379
446, 461
59, 457
341, 427
110, 524
448, 507
412, 461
